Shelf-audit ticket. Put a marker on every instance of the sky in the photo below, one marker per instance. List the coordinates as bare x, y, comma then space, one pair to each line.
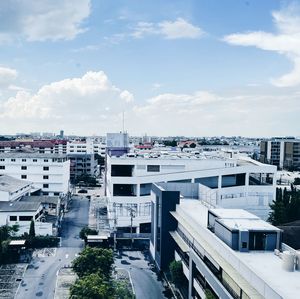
189, 67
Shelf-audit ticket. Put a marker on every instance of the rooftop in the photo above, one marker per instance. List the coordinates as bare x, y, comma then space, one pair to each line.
19, 206
40, 199
263, 264
10, 184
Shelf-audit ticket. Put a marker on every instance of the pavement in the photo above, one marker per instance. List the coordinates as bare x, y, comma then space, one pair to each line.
40, 277
146, 283
65, 279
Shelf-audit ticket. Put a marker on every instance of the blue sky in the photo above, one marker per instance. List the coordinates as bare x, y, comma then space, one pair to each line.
195, 68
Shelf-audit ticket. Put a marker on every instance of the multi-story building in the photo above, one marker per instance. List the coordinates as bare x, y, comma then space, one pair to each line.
89, 146
82, 163
222, 182
40, 146
229, 253
49, 173
284, 153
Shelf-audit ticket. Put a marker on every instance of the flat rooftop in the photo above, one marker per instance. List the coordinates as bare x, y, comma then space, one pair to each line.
40, 199
19, 206
265, 264
10, 184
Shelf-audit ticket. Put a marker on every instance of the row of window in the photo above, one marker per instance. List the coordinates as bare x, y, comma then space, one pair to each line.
34, 160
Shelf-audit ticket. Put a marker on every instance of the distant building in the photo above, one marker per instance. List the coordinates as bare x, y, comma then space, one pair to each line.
228, 252
284, 153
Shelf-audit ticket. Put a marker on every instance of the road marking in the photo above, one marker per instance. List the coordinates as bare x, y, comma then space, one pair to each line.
67, 256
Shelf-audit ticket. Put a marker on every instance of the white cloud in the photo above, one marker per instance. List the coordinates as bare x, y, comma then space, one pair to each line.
286, 41
7, 76
43, 20
75, 104
177, 29
180, 29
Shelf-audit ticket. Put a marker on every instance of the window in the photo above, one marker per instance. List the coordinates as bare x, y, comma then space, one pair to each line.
23, 176
12, 218
23, 160
13, 160
45, 185
2, 167
45, 160
25, 218
122, 170
153, 168
34, 160
45, 177
46, 168
24, 167
56, 193
2, 160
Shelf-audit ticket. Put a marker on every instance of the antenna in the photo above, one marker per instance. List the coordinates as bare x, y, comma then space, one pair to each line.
123, 122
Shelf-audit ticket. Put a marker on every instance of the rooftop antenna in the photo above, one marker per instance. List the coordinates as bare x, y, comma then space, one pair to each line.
123, 122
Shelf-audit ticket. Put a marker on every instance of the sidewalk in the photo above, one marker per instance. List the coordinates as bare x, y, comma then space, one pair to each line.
65, 279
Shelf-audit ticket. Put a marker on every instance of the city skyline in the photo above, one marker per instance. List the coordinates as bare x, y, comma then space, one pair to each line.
195, 68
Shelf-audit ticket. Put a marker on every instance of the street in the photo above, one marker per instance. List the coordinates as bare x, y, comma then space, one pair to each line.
145, 282
40, 278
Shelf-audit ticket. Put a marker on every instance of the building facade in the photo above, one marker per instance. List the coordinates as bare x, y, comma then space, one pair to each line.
284, 153
49, 173
223, 182
229, 253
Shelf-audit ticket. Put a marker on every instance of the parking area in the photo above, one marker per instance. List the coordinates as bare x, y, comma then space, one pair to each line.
43, 252
10, 278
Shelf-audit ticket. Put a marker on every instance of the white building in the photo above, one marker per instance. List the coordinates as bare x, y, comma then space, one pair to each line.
229, 252
12, 189
231, 183
90, 146
49, 173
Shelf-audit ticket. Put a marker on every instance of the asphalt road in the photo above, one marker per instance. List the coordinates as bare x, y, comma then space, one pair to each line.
40, 278
146, 283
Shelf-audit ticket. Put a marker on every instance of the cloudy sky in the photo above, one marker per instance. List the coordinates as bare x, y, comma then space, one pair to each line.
188, 67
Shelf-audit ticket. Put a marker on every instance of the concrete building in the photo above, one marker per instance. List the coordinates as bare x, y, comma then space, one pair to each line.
18, 207
284, 153
49, 173
12, 189
229, 252
89, 146
82, 163
222, 182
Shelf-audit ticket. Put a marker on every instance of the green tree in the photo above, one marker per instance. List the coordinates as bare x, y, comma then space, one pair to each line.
32, 230
209, 294
122, 290
297, 181
87, 231
93, 260
92, 286
176, 272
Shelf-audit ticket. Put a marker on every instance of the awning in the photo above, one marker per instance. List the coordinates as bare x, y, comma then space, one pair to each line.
183, 246
17, 242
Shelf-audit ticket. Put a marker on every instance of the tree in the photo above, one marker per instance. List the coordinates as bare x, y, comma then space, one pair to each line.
32, 230
87, 231
176, 272
297, 181
93, 260
209, 294
92, 286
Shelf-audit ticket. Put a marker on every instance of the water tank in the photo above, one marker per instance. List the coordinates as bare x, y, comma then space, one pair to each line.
298, 260
288, 261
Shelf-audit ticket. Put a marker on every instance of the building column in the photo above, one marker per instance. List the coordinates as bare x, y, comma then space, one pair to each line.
190, 277
218, 199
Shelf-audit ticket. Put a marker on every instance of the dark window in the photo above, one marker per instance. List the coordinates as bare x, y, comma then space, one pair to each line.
45, 185
121, 170
45, 193
25, 218
153, 168
24, 167
24, 176
13, 218
244, 244
145, 189
211, 182
124, 190
2, 167
34, 160
233, 180
46, 168
13, 160
23, 160
45, 160
56, 193
45, 177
